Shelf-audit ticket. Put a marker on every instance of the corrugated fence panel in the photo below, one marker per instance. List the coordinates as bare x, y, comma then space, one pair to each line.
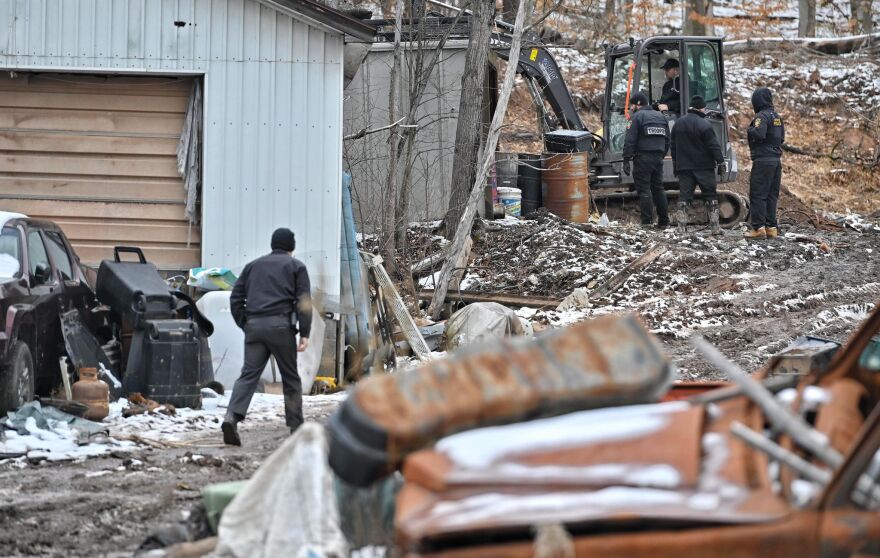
273, 102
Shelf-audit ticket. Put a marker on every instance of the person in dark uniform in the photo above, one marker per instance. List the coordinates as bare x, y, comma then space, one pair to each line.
696, 154
670, 98
270, 299
766, 136
647, 141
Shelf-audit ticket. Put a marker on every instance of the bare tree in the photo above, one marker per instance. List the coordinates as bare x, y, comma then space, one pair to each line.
462, 235
470, 112
392, 184
862, 16
697, 16
806, 18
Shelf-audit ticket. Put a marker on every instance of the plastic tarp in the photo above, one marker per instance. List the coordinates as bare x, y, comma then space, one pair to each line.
211, 278
355, 301
288, 508
479, 322
227, 344
47, 418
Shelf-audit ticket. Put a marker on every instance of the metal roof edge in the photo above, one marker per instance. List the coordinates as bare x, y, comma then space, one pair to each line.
324, 16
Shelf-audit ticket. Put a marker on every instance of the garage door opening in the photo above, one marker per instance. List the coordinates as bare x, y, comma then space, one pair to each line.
98, 155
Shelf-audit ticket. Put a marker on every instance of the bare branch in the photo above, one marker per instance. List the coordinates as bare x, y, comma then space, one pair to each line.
365, 132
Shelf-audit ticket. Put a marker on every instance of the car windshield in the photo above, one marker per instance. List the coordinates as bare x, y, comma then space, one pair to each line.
10, 253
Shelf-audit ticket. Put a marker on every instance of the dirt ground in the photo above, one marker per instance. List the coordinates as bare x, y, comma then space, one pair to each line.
106, 507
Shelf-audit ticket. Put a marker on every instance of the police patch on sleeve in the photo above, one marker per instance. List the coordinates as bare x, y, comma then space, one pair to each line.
757, 122
656, 131
777, 122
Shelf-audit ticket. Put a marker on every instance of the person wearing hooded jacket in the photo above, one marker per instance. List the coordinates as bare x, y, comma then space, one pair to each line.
766, 136
271, 297
645, 146
696, 154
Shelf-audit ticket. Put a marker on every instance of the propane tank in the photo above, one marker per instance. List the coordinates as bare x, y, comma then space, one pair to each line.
93, 392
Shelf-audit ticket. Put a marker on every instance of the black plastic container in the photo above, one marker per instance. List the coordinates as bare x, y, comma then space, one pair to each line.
171, 363
529, 181
567, 141
134, 290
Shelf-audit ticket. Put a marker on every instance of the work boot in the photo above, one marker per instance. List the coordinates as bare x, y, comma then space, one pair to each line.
772, 232
755, 234
714, 219
681, 218
230, 431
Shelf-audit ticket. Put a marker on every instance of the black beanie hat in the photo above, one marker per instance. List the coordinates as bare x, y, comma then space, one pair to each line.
698, 102
283, 239
639, 99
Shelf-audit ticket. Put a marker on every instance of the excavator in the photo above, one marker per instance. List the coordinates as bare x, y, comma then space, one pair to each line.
631, 67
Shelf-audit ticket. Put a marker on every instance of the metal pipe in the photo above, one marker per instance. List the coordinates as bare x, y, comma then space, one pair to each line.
780, 417
779, 453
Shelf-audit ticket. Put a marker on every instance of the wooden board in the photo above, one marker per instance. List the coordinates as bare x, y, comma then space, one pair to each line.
98, 155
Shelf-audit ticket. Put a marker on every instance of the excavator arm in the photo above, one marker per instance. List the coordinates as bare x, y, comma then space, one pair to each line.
537, 65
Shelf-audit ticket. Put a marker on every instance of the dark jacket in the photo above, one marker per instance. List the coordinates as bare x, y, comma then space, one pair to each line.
671, 95
694, 143
648, 130
275, 284
767, 130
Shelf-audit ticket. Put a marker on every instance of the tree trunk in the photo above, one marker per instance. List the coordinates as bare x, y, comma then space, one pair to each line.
470, 111
695, 12
475, 192
863, 16
806, 18
389, 224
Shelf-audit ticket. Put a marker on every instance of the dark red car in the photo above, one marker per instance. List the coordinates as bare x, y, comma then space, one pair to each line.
40, 277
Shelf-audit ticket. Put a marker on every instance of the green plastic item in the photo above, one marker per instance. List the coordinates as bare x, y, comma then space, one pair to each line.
216, 497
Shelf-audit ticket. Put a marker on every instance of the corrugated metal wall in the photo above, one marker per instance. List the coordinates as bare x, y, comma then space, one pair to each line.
366, 106
273, 106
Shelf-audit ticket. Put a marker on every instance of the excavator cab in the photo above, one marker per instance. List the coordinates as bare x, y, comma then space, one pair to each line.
640, 66
670, 71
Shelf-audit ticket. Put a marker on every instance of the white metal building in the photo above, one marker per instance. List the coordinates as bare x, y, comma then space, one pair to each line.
93, 98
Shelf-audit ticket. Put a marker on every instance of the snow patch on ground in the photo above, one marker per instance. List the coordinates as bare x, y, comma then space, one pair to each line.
187, 425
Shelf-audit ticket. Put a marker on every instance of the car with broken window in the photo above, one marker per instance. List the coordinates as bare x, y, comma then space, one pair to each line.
570, 444
40, 277
754, 469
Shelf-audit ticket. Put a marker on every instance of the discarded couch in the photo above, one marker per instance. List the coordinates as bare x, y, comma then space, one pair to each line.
610, 361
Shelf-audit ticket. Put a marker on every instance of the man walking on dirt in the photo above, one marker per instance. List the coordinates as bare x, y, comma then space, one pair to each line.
766, 136
271, 297
646, 144
696, 154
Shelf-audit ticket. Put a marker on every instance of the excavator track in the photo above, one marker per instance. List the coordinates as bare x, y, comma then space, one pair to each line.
624, 206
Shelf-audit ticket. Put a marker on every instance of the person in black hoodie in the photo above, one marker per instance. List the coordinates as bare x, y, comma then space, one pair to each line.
766, 136
696, 154
646, 143
270, 298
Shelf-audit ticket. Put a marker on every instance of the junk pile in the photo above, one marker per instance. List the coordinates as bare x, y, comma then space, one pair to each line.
661, 479
167, 356
609, 361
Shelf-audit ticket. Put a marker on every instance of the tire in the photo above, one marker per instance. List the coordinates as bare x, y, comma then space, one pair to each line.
17, 379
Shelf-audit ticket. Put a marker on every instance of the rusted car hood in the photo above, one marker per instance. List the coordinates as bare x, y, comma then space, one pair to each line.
667, 463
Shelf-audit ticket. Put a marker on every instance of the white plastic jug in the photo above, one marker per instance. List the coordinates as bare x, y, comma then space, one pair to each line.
227, 344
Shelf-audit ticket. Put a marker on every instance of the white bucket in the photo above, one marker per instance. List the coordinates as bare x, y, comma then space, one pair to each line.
511, 198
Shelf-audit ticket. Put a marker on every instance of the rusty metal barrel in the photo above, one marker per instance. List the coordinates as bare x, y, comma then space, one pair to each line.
566, 189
